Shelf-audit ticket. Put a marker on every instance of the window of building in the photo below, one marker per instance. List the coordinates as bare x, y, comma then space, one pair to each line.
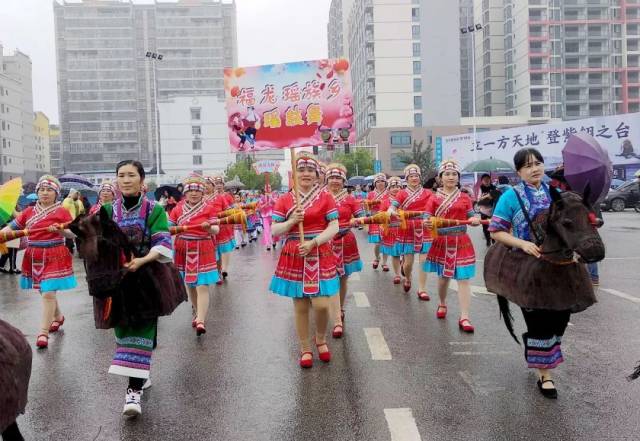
417, 119
3, 126
415, 31
4, 143
196, 144
195, 114
401, 138
196, 130
416, 49
396, 162
417, 102
417, 67
417, 84
197, 160
415, 14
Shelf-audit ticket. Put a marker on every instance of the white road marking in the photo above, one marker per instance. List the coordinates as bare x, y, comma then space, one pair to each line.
361, 299
622, 295
479, 387
466, 343
402, 425
354, 276
571, 324
377, 344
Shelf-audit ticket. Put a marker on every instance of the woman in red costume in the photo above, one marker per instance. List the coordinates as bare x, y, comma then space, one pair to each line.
413, 239
390, 245
47, 265
106, 195
306, 270
452, 256
195, 252
345, 246
374, 201
225, 243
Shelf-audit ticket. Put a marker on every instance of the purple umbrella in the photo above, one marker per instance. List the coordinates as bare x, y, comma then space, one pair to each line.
75, 179
586, 163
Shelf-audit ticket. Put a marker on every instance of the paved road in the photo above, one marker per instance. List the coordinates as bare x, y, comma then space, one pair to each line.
398, 373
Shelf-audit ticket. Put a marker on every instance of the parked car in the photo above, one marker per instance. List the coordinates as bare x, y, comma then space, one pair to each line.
625, 196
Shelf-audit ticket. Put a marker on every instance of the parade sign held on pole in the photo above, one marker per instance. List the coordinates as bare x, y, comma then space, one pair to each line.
289, 105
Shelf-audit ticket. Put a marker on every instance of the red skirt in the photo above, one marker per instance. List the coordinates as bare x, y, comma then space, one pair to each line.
298, 276
46, 263
414, 238
194, 256
225, 235
452, 255
389, 236
345, 249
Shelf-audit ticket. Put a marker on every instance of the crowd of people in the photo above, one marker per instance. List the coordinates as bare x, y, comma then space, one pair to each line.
319, 251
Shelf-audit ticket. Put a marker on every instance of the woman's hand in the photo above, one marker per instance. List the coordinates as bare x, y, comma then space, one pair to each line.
475, 221
54, 228
306, 247
297, 216
135, 264
354, 222
427, 223
530, 248
205, 226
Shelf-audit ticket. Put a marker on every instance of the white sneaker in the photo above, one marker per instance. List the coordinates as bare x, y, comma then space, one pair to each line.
147, 384
132, 407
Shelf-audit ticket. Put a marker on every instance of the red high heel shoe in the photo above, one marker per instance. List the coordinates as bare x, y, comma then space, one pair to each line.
466, 326
56, 324
306, 363
337, 331
376, 263
422, 295
324, 356
200, 329
396, 280
385, 268
442, 311
193, 322
42, 341
406, 285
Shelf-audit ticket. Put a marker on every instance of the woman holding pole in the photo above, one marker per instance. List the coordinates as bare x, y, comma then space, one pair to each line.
306, 270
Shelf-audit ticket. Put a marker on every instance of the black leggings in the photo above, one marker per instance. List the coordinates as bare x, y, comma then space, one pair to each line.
11, 256
12, 433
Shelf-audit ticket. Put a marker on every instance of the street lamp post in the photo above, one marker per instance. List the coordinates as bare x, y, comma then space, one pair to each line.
471, 30
153, 57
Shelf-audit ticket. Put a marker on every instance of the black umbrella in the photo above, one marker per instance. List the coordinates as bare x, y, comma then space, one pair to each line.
173, 191
356, 180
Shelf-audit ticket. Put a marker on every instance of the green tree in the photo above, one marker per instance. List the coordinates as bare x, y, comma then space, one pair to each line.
358, 162
244, 171
421, 156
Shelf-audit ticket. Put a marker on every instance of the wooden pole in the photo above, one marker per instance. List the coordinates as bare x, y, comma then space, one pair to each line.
296, 195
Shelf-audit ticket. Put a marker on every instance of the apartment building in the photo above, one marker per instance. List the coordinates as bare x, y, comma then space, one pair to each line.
107, 84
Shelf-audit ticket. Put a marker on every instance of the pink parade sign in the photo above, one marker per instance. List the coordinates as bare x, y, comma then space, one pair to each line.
297, 104
266, 166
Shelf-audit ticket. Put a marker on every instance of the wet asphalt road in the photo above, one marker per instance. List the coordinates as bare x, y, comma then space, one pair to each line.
241, 380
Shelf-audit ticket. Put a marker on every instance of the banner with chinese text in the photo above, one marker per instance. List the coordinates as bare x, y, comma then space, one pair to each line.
289, 105
618, 134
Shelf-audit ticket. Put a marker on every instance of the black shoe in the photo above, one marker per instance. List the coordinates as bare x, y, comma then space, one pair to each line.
18, 272
548, 393
11, 272
2, 270
224, 274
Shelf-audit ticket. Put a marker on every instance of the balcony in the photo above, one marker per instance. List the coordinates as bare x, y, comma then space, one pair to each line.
575, 97
540, 114
544, 81
577, 113
533, 18
574, 34
539, 98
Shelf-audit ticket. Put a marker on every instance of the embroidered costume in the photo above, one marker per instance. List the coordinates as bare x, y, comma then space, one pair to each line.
451, 255
47, 265
225, 243
345, 246
415, 238
545, 328
375, 196
145, 225
315, 274
195, 252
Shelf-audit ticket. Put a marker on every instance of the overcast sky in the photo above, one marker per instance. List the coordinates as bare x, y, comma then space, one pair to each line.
269, 31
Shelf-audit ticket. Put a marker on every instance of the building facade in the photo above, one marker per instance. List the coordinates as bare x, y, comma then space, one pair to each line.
108, 86
584, 58
55, 150
17, 146
466, 54
194, 136
489, 57
41, 134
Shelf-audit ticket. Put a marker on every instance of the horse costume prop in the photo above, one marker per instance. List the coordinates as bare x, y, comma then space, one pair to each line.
105, 248
557, 280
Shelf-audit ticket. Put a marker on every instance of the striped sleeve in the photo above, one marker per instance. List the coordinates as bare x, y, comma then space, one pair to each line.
160, 237
331, 208
279, 213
